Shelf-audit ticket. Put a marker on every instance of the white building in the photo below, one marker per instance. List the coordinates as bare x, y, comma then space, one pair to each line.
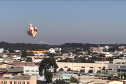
39, 54
51, 50
17, 58
31, 70
86, 67
35, 59
17, 51
119, 61
1, 50
107, 54
1, 59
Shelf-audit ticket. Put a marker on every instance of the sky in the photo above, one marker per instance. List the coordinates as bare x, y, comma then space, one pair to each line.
59, 22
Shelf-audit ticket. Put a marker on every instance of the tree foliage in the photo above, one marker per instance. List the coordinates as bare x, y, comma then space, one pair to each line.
61, 69
60, 82
11, 50
29, 59
73, 80
48, 76
47, 67
69, 69
24, 54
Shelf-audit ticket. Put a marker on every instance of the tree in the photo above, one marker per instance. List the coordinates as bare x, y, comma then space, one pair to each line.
73, 80
103, 69
47, 67
24, 54
29, 59
124, 76
61, 69
69, 69
11, 50
59, 81
48, 75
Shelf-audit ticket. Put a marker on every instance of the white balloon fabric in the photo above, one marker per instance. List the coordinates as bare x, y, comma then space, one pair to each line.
32, 30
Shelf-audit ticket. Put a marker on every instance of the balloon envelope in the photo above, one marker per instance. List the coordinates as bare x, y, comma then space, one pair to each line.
32, 31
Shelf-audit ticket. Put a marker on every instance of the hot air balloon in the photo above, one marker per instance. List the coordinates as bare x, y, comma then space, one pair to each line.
32, 30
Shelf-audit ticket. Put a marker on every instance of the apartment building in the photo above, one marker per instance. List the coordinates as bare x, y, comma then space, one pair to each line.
22, 64
86, 67
119, 61
18, 79
31, 70
116, 68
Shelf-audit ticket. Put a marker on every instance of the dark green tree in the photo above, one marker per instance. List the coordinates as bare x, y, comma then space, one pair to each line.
60, 82
73, 80
11, 50
29, 59
61, 69
69, 69
48, 75
124, 76
47, 67
24, 54
103, 69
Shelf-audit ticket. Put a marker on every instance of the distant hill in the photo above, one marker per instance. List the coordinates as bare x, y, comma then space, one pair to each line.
29, 46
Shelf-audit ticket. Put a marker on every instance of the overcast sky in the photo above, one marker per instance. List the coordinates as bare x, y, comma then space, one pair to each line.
60, 22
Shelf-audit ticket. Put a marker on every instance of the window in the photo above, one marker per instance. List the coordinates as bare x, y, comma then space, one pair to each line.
19, 82
99, 67
66, 79
28, 82
10, 82
27, 70
82, 67
82, 70
37, 71
90, 71
5, 82
23, 82
123, 63
32, 71
15, 82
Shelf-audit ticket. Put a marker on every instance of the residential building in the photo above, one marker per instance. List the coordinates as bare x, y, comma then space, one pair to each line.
117, 68
31, 70
22, 64
86, 67
1, 50
119, 61
51, 50
17, 79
